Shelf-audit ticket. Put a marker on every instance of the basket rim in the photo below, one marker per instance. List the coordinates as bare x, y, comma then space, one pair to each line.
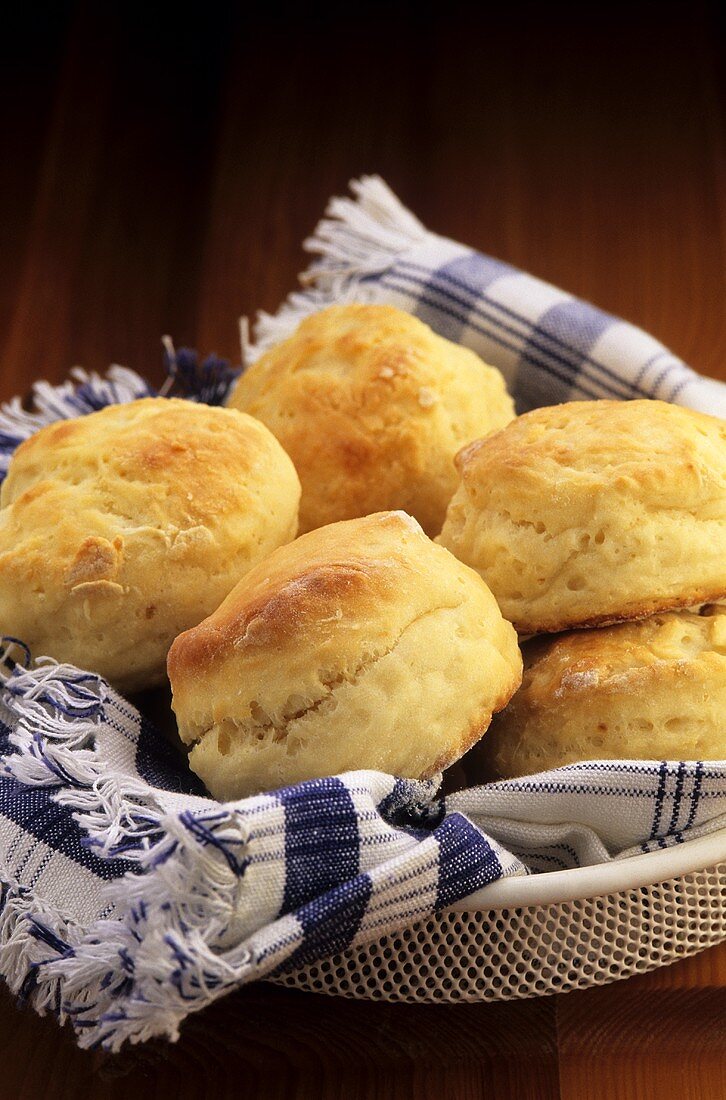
580, 883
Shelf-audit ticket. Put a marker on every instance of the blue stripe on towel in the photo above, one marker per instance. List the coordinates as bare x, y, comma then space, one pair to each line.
322, 846
330, 922
466, 860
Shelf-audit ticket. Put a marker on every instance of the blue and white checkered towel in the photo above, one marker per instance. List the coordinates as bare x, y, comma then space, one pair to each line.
129, 897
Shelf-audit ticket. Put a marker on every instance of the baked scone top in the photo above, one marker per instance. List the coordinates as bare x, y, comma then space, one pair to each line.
123, 527
593, 512
339, 595
653, 690
372, 406
624, 657
664, 450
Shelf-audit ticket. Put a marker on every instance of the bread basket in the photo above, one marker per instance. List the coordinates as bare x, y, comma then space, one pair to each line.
543, 934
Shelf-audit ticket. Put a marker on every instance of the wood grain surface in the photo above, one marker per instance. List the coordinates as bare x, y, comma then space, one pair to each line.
158, 173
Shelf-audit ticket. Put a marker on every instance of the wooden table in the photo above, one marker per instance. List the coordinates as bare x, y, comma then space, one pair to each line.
159, 178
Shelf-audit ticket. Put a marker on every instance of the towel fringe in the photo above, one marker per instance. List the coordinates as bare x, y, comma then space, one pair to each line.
123, 979
30, 935
358, 238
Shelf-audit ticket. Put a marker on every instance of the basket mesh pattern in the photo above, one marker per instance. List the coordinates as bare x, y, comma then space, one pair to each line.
530, 952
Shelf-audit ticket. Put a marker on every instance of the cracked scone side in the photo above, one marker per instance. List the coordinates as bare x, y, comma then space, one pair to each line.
360, 645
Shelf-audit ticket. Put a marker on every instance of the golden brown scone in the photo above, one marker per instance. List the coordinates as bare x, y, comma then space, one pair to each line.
372, 406
654, 689
124, 527
359, 645
594, 512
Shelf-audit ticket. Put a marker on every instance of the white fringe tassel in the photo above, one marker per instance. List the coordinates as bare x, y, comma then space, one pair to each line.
357, 238
172, 948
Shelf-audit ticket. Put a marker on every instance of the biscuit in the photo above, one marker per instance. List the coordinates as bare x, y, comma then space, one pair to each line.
122, 528
651, 690
594, 512
372, 406
359, 645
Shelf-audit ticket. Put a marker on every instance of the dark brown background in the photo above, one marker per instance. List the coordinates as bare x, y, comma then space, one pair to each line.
157, 173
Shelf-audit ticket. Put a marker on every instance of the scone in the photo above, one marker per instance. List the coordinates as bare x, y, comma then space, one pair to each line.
359, 645
122, 528
652, 690
372, 406
594, 512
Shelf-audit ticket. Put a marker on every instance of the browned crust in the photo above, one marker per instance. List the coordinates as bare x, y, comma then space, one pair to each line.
590, 675
694, 598
277, 613
96, 559
353, 564
152, 440
362, 438
514, 445
50, 436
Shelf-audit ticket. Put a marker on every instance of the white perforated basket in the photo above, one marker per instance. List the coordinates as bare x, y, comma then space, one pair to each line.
544, 934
